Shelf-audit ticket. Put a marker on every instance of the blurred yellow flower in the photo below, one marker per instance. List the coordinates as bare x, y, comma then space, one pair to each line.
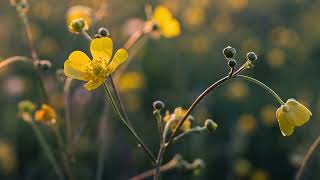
290, 115
246, 123
8, 159
276, 57
76, 13
78, 66
242, 167
46, 114
130, 81
169, 26
267, 115
177, 115
259, 174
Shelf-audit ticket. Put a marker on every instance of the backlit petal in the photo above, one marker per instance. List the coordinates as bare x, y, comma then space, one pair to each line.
101, 48
161, 15
285, 126
75, 66
171, 29
120, 57
302, 114
94, 83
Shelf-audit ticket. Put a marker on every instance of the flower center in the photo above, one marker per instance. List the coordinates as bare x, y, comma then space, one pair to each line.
99, 68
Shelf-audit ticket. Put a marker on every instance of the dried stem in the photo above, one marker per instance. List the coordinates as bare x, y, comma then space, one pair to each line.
306, 158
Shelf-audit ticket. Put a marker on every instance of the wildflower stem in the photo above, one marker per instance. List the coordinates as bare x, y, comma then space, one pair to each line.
119, 101
34, 53
47, 150
140, 142
86, 35
200, 97
66, 89
13, 59
306, 158
259, 83
160, 126
166, 167
191, 131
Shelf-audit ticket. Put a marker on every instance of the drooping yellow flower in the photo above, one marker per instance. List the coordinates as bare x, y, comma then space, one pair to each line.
169, 26
290, 115
177, 115
46, 114
76, 13
79, 66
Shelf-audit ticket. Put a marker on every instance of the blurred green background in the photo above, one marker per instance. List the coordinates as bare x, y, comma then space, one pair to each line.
247, 144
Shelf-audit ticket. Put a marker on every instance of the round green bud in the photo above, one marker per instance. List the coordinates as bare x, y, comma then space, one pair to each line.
229, 52
158, 105
232, 63
104, 32
251, 56
78, 25
210, 125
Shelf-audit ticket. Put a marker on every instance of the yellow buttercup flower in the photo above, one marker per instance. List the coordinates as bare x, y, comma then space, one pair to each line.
46, 114
169, 26
290, 115
77, 15
79, 66
177, 115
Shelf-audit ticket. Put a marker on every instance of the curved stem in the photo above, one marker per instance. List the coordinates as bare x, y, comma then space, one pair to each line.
306, 158
66, 89
201, 96
145, 148
259, 83
13, 59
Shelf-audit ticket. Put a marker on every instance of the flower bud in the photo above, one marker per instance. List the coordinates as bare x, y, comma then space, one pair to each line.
77, 25
251, 56
43, 65
97, 36
232, 63
104, 32
229, 52
158, 105
210, 125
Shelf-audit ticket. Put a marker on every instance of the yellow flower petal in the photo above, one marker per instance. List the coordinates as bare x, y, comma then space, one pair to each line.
161, 15
75, 66
300, 114
94, 83
120, 57
285, 126
171, 29
101, 48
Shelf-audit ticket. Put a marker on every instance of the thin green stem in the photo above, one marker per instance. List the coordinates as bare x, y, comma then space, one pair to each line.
86, 35
47, 150
261, 84
140, 142
118, 98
